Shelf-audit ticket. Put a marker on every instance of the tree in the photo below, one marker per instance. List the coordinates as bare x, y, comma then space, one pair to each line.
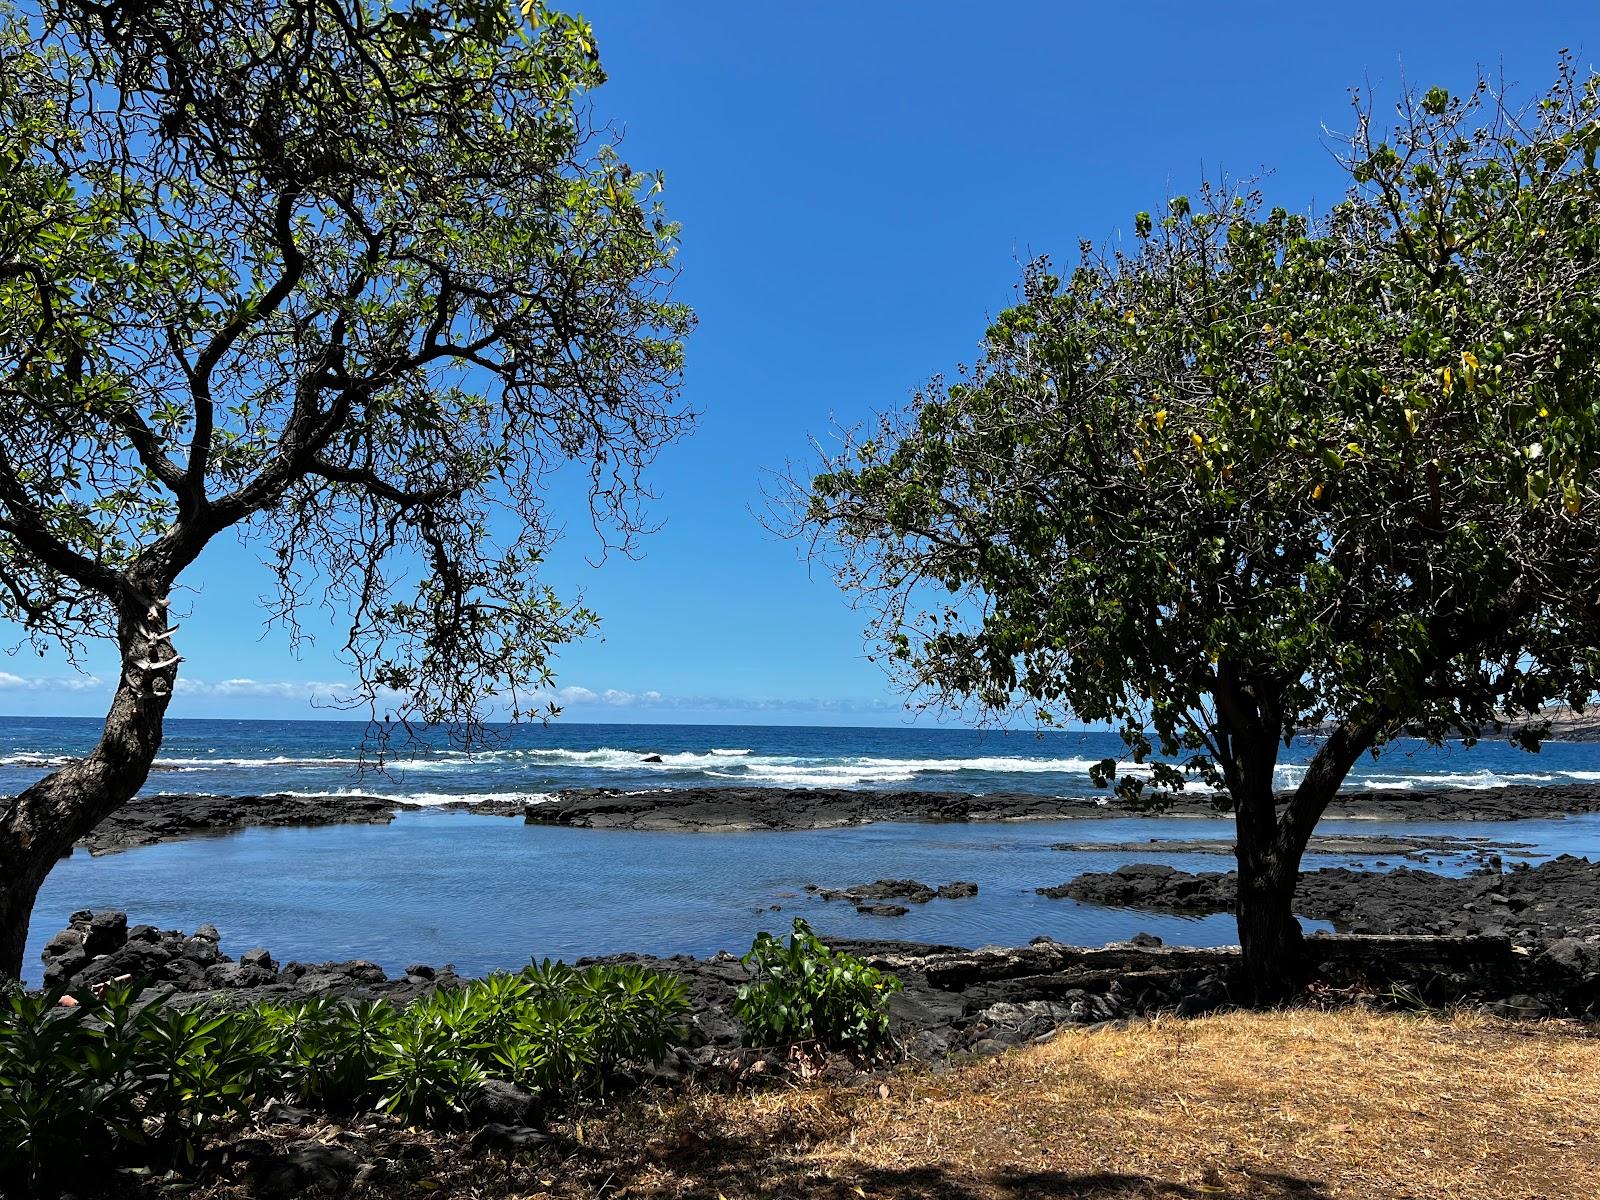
1261, 475
351, 277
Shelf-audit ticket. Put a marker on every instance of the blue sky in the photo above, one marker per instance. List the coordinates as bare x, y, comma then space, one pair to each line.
859, 184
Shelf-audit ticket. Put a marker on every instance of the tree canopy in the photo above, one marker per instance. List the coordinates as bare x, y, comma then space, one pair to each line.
1258, 474
351, 278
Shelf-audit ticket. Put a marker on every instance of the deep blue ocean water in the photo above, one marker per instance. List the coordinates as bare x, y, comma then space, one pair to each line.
252, 757
485, 892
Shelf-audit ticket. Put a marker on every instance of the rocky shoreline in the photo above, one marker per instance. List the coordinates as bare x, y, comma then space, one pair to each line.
150, 819
713, 809
955, 1002
1361, 845
956, 1005
1532, 906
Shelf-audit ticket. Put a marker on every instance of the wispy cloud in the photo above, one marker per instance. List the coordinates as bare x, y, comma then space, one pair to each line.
333, 692
614, 698
610, 697
55, 683
265, 689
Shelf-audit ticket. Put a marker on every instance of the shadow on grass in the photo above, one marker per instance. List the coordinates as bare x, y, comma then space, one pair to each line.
728, 1165
944, 1183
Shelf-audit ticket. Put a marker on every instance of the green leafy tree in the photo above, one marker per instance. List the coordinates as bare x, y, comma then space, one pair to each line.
349, 277
1258, 475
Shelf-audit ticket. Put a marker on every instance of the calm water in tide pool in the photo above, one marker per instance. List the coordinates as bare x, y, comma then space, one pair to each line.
486, 892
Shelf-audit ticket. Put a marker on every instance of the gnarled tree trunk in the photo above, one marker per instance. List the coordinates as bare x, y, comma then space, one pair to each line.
1269, 932
39, 826
1269, 848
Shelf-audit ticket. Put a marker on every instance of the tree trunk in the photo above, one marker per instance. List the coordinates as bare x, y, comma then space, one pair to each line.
1270, 847
1269, 932
40, 826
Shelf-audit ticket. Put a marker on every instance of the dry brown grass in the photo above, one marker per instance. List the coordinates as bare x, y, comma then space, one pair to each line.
1252, 1106
1294, 1105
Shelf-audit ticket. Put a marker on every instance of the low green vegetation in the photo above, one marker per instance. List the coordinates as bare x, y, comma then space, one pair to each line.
100, 1082
112, 1082
807, 991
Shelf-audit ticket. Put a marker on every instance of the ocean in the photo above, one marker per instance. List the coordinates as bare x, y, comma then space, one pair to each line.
485, 892
242, 758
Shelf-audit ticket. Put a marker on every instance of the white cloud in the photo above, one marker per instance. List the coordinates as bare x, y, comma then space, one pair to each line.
325, 692
265, 689
68, 683
617, 698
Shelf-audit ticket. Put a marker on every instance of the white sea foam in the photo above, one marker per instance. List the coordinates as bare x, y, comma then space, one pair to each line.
429, 799
803, 772
1471, 781
280, 760
432, 762
546, 766
817, 774
27, 759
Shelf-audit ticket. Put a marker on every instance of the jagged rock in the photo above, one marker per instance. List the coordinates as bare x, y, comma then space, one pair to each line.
151, 818
1031, 1019
1575, 957
69, 938
513, 1139
713, 1027
1557, 899
737, 807
910, 890
1518, 1006
64, 956
500, 1102
868, 897
238, 975
107, 933
277, 1113
305, 1167
882, 910
259, 958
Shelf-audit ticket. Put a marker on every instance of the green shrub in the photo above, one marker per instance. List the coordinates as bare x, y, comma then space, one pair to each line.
637, 1014
326, 1051
552, 1029
807, 991
108, 1082
65, 1092
93, 1082
425, 1073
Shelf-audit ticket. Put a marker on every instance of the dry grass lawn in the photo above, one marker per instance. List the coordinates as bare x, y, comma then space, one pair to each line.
1254, 1106
1294, 1105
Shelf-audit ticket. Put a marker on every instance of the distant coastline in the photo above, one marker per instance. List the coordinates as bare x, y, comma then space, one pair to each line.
152, 819
1566, 725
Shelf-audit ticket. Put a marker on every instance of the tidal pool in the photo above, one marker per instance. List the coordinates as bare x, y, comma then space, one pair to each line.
487, 892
